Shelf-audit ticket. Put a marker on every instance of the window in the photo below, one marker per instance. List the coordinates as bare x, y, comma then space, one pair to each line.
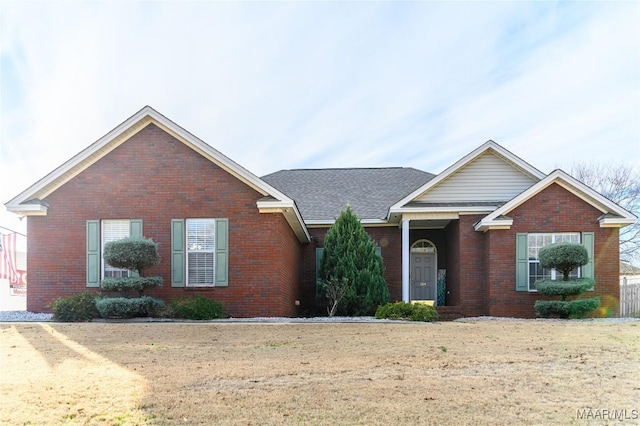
534, 243
201, 247
113, 230
100, 232
199, 252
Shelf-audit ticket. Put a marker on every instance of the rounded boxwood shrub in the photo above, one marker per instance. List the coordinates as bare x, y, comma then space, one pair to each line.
579, 308
196, 308
546, 308
131, 283
561, 288
76, 308
564, 257
122, 307
132, 253
411, 311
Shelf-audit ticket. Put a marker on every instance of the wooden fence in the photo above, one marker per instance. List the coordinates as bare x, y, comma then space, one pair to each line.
629, 299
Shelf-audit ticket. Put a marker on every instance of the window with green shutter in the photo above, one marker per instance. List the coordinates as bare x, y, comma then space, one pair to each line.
100, 232
199, 252
528, 269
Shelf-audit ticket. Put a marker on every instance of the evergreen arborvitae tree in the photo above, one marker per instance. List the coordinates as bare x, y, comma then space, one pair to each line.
349, 256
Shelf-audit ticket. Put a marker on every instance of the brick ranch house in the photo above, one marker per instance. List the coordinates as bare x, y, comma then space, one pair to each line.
466, 239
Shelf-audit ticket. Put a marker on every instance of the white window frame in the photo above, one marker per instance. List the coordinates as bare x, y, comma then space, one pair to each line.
113, 230
200, 237
539, 240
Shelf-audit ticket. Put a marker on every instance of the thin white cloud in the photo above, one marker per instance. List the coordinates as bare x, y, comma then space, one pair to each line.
286, 85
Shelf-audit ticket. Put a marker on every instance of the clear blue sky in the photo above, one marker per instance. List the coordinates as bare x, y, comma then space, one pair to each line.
322, 84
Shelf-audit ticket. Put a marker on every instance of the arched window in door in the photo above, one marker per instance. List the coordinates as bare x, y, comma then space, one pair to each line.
423, 246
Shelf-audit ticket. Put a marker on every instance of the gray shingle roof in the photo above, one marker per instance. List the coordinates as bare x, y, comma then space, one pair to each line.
321, 194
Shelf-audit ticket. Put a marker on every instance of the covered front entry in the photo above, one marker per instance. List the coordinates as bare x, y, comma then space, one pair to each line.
427, 240
423, 267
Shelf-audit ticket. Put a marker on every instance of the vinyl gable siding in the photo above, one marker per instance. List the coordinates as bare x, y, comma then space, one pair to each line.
487, 178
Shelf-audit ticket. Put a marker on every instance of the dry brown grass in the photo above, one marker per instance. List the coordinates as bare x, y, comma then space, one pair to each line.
485, 372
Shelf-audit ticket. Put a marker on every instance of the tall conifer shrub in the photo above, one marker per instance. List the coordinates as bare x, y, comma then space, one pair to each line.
350, 256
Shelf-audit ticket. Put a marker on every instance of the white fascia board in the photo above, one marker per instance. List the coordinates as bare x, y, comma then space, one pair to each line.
364, 222
444, 209
520, 163
430, 215
572, 185
291, 213
484, 225
28, 209
615, 222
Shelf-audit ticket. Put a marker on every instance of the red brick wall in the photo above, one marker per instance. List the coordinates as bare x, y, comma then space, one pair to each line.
553, 210
473, 268
453, 264
156, 178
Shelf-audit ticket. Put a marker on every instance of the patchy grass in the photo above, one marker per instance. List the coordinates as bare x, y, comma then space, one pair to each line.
485, 372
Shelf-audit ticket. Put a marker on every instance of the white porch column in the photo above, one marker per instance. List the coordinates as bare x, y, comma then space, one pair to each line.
405, 260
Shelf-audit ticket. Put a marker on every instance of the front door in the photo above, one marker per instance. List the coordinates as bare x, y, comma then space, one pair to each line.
423, 276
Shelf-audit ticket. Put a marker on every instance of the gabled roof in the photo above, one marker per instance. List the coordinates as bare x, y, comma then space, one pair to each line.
321, 194
628, 269
29, 202
612, 214
489, 147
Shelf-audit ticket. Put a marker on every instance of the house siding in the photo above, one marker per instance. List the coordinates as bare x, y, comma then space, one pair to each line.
553, 210
487, 178
156, 178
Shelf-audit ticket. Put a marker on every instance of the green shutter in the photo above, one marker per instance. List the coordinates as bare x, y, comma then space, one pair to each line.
588, 270
135, 230
93, 253
319, 292
522, 263
177, 253
222, 253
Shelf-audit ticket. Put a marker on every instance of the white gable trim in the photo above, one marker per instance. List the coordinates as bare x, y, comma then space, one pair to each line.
621, 217
121, 134
487, 146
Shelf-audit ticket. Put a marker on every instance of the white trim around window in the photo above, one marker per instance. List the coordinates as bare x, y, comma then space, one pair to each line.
201, 250
535, 242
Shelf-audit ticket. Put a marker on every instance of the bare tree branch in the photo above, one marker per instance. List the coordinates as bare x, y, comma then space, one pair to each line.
620, 183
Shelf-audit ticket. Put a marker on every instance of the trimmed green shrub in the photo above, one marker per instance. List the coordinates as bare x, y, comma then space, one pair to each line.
411, 311
564, 288
122, 307
76, 308
350, 254
579, 308
131, 283
132, 253
196, 308
564, 257
546, 308
566, 309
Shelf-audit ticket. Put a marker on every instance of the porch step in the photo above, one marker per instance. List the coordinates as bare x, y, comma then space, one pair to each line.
449, 313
